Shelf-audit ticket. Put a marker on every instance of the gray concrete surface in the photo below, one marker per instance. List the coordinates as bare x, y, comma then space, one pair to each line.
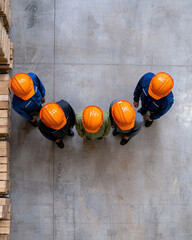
90, 52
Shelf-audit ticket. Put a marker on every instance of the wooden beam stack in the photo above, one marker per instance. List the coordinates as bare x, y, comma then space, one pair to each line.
5, 111
6, 63
5, 221
6, 49
5, 205
4, 167
5, 13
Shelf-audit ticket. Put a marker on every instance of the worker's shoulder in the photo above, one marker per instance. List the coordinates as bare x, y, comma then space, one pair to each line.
17, 101
105, 116
32, 75
78, 116
62, 103
146, 78
169, 99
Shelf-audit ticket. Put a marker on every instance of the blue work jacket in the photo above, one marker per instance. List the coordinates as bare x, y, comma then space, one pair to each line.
26, 107
157, 107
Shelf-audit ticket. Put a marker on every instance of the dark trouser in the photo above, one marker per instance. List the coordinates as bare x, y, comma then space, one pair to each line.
48, 136
36, 113
143, 111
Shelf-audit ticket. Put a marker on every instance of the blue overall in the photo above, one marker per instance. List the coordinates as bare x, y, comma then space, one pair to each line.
157, 107
26, 108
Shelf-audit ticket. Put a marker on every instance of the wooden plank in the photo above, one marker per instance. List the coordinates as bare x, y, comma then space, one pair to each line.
8, 216
5, 98
4, 168
4, 113
4, 207
4, 105
4, 87
4, 131
4, 201
4, 187
4, 121
4, 224
5, 230
4, 145
4, 160
4, 176
4, 152
4, 237
4, 77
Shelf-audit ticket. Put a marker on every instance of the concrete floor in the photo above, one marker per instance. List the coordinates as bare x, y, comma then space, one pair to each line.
90, 52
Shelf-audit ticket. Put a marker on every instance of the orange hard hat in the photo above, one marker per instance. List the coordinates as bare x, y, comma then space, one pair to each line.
123, 114
52, 116
161, 85
22, 86
92, 119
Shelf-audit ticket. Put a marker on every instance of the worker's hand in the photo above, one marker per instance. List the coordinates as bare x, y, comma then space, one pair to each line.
148, 119
136, 104
58, 140
34, 119
84, 137
112, 126
71, 127
43, 99
126, 137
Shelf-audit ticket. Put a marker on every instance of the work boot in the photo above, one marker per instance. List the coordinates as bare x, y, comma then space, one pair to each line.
71, 133
34, 124
124, 141
115, 133
60, 144
143, 112
148, 123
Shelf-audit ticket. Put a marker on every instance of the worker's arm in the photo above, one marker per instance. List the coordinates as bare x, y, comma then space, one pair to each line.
162, 111
138, 90
23, 113
107, 126
78, 125
39, 83
72, 116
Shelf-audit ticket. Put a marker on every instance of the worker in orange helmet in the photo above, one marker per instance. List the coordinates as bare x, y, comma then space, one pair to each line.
92, 123
29, 94
156, 95
57, 121
124, 120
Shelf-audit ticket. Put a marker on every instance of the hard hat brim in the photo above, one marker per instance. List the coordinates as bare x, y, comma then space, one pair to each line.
127, 127
92, 131
151, 93
28, 96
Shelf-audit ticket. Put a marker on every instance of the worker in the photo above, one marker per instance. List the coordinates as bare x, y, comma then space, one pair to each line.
156, 95
57, 121
29, 94
92, 123
124, 120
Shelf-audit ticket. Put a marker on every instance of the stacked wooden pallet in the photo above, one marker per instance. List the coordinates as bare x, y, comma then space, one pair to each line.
4, 105
5, 13
4, 167
5, 218
6, 49
4, 156
5, 205
6, 63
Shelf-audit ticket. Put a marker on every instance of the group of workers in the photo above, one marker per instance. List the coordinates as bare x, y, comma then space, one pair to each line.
58, 119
